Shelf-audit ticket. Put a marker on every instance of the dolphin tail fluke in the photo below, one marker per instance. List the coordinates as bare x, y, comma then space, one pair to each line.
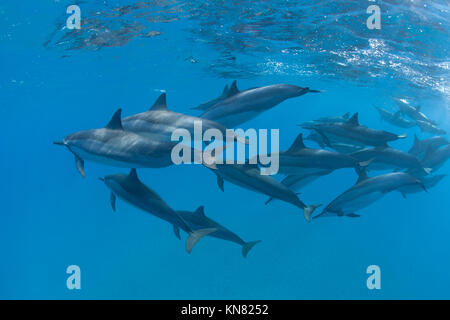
195, 237
402, 136
308, 211
427, 170
246, 247
365, 164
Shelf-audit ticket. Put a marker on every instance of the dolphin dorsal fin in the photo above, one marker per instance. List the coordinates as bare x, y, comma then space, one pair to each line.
115, 123
298, 144
233, 89
353, 120
225, 91
362, 175
200, 211
160, 103
133, 174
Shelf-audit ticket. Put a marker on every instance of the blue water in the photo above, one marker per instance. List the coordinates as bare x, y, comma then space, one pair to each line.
52, 84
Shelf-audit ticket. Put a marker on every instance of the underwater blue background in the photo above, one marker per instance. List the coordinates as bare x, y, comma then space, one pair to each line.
52, 218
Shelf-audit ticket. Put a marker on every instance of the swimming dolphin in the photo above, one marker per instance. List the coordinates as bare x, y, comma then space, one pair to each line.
385, 158
353, 133
426, 126
245, 105
413, 113
132, 190
161, 122
209, 104
343, 118
421, 147
300, 160
248, 176
429, 182
395, 118
336, 146
298, 182
366, 191
197, 220
114, 146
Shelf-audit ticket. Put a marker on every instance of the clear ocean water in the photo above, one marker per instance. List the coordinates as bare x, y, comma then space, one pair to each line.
54, 81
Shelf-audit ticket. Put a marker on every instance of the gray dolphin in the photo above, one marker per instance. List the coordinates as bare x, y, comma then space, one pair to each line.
395, 118
343, 118
353, 133
112, 145
248, 176
421, 147
300, 160
366, 191
413, 113
159, 121
298, 182
245, 105
385, 158
429, 182
197, 220
426, 126
132, 190
335, 145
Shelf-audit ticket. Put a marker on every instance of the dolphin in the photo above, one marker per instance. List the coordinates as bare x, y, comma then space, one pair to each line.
426, 126
246, 105
413, 113
209, 104
115, 146
130, 189
395, 118
300, 160
385, 158
429, 182
343, 118
336, 146
421, 147
298, 182
160, 122
248, 176
366, 191
197, 220
436, 159
353, 133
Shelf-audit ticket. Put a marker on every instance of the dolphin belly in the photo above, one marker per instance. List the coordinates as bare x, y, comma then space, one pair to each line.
235, 119
104, 159
361, 202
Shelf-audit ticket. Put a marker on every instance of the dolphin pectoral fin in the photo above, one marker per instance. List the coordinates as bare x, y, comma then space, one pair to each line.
325, 138
269, 200
246, 247
427, 170
112, 200
195, 237
403, 194
176, 231
352, 215
220, 183
307, 212
80, 165
364, 164
402, 136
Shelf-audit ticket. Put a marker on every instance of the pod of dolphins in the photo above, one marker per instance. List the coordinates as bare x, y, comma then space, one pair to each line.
144, 141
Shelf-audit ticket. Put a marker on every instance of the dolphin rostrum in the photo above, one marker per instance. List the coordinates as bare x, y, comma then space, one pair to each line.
353, 133
421, 147
198, 220
248, 176
132, 190
366, 191
242, 106
385, 158
159, 121
300, 160
395, 118
112, 145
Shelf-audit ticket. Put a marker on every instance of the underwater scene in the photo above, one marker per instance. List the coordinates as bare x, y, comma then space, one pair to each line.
267, 149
